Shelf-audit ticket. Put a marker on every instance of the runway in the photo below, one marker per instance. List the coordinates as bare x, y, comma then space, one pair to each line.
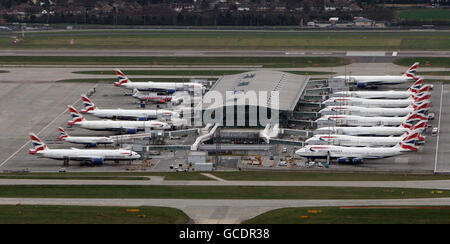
223, 211
155, 180
368, 56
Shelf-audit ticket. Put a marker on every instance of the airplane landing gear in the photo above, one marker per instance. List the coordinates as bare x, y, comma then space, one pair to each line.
66, 162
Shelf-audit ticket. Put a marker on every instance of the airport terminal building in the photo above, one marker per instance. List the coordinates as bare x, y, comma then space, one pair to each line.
253, 99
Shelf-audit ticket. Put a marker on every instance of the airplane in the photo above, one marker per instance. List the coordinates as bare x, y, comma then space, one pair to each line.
370, 81
88, 141
371, 112
372, 131
355, 155
414, 89
376, 103
365, 141
129, 127
95, 156
354, 120
155, 98
135, 114
167, 87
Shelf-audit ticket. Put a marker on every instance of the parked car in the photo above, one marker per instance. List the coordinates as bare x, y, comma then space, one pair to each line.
282, 163
435, 131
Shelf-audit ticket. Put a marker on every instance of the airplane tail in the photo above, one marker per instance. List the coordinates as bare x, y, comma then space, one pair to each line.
425, 88
62, 133
416, 116
38, 145
418, 133
410, 137
88, 104
411, 72
121, 77
406, 146
421, 96
421, 107
421, 125
417, 85
76, 116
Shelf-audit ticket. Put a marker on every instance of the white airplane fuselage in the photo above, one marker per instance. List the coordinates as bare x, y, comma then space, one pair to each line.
89, 140
367, 112
354, 120
355, 141
369, 103
322, 151
122, 125
89, 154
131, 113
363, 131
165, 86
375, 94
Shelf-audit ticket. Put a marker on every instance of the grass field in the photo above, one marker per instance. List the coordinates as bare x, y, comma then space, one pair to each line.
424, 14
189, 72
266, 62
41, 214
106, 175
425, 61
362, 215
217, 192
229, 40
311, 176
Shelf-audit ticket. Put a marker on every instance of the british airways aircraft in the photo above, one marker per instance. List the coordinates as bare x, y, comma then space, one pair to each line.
130, 114
129, 127
355, 120
377, 103
416, 88
95, 156
167, 87
91, 141
369, 81
365, 141
355, 155
372, 131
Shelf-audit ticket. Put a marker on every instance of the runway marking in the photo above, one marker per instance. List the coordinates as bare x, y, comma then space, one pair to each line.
26, 143
439, 130
366, 54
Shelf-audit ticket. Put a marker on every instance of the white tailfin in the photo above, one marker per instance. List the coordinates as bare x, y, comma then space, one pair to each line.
76, 116
62, 133
411, 72
38, 145
88, 104
121, 77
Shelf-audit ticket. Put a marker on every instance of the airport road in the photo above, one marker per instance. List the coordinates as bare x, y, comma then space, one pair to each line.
51, 73
224, 211
431, 184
